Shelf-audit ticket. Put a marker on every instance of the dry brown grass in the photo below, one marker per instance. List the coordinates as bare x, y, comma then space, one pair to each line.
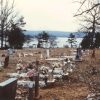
67, 90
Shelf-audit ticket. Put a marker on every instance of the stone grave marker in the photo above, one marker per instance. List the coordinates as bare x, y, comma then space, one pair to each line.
8, 89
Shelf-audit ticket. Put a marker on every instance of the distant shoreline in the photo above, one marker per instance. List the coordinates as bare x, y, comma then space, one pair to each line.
56, 33
61, 42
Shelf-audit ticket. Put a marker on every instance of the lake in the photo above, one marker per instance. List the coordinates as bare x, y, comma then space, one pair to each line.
61, 42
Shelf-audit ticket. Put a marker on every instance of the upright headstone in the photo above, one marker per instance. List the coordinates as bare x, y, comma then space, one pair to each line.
41, 56
77, 54
6, 62
10, 51
8, 89
48, 53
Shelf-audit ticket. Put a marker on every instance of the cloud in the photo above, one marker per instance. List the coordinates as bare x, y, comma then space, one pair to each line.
47, 14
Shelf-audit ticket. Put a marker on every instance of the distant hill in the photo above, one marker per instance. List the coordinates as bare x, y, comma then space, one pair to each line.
56, 33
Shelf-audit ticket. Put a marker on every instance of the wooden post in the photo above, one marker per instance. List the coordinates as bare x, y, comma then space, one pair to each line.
30, 94
37, 82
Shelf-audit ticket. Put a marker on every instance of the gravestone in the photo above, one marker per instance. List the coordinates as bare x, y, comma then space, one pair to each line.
48, 53
6, 62
77, 54
8, 89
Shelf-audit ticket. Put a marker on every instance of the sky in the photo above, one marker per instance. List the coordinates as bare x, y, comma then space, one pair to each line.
52, 15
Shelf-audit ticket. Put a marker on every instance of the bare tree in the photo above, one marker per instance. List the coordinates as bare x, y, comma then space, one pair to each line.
7, 16
80, 11
91, 21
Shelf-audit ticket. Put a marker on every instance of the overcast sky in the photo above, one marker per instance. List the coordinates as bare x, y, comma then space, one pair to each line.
54, 15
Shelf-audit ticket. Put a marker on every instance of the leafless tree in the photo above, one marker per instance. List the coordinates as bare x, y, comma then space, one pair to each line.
80, 11
89, 11
90, 20
7, 16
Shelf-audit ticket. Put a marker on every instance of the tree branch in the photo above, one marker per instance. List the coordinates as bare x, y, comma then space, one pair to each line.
88, 10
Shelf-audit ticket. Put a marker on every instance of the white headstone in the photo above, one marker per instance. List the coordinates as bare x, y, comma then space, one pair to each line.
41, 56
48, 53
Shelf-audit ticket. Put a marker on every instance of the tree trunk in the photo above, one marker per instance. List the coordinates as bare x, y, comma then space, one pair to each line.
2, 37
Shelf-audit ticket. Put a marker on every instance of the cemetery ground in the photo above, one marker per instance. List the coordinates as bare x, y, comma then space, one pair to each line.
77, 86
